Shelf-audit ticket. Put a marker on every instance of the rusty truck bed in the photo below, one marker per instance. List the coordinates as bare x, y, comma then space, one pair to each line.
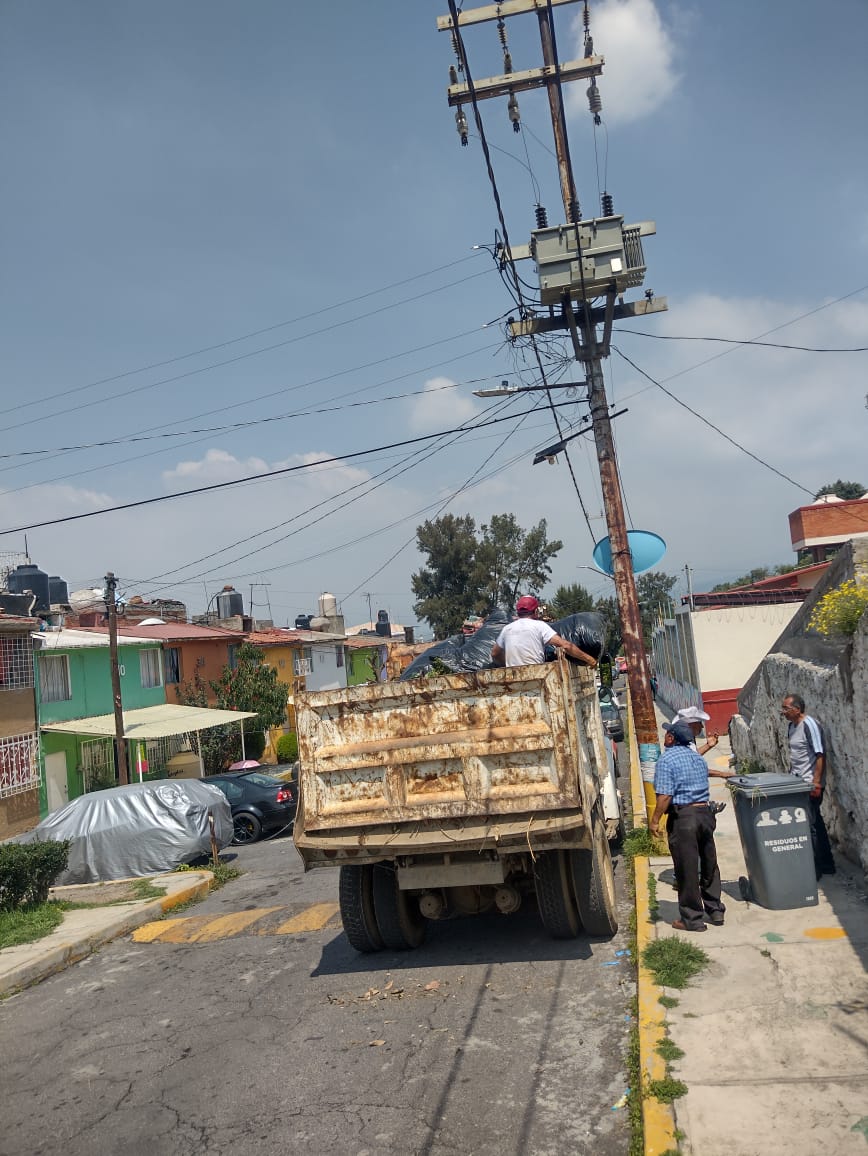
483, 750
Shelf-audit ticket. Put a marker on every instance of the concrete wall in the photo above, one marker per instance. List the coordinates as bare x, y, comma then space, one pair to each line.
731, 641
832, 678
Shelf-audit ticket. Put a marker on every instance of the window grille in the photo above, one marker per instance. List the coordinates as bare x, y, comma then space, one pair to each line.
16, 663
98, 763
149, 664
19, 764
54, 678
302, 666
172, 665
157, 753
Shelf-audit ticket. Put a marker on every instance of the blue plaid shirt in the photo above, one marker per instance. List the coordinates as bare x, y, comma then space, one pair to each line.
681, 773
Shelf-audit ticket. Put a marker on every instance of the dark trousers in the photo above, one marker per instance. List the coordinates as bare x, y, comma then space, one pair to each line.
697, 877
823, 860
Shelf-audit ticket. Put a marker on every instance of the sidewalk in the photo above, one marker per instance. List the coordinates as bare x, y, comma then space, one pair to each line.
85, 929
775, 1030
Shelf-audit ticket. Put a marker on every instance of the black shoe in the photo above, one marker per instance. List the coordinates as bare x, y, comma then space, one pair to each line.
716, 808
680, 925
715, 918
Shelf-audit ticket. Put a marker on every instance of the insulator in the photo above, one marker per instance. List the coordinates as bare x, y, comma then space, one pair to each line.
461, 124
501, 32
507, 62
453, 74
514, 113
595, 101
589, 45
608, 205
586, 15
575, 211
542, 217
456, 50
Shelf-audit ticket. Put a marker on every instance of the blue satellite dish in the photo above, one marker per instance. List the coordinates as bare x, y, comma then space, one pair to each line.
646, 550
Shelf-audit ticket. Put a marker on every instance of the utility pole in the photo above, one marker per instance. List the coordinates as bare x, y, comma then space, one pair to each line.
570, 279
689, 574
111, 605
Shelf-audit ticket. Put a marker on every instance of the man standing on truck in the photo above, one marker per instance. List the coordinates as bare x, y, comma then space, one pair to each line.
523, 641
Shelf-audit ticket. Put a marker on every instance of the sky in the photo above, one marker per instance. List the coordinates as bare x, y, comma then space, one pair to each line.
244, 239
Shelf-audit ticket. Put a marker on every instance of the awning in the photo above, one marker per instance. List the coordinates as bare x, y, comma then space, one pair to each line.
151, 722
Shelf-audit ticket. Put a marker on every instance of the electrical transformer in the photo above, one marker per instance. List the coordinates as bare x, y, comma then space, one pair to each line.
588, 259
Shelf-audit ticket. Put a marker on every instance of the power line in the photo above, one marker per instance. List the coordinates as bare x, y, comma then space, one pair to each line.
237, 340
252, 353
213, 486
746, 341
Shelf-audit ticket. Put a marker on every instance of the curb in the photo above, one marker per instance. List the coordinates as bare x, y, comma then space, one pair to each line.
63, 952
658, 1119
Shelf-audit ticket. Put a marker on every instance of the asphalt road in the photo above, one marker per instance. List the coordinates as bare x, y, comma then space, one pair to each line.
266, 1032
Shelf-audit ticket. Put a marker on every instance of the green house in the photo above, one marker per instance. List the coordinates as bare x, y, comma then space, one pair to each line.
72, 675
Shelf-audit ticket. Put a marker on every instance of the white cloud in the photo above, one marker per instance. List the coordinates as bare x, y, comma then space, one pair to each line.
441, 407
639, 74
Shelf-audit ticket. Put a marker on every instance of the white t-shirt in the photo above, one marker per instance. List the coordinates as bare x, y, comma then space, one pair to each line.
524, 641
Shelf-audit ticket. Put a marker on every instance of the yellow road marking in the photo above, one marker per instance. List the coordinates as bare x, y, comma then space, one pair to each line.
313, 919
826, 933
225, 926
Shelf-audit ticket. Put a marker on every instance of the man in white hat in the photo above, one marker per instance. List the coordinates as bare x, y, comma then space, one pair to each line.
695, 718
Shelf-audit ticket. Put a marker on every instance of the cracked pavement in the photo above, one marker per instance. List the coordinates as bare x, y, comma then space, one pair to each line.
265, 1045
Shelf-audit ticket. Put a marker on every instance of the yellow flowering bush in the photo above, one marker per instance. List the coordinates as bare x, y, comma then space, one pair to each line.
839, 611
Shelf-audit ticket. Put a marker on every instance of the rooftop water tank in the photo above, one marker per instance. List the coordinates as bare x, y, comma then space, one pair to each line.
229, 603
383, 627
328, 605
31, 578
58, 591
302, 621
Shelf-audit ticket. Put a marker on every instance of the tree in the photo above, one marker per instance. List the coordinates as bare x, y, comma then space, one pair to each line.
572, 599
469, 571
654, 590
847, 491
248, 685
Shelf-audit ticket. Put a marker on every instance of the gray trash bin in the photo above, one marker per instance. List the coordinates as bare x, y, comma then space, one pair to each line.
773, 824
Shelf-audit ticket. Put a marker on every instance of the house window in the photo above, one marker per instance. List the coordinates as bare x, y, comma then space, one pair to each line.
19, 764
172, 665
339, 656
233, 656
149, 664
54, 678
98, 764
16, 663
304, 665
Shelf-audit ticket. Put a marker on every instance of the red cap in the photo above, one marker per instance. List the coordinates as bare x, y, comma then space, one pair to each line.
527, 604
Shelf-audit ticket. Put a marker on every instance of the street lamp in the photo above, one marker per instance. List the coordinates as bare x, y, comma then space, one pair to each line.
505, 389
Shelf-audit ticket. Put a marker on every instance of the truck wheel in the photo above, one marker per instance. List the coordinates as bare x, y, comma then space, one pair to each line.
594, 881
356, 896
554, 894
399, 920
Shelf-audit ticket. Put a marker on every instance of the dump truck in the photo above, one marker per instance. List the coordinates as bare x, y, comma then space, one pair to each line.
460, 794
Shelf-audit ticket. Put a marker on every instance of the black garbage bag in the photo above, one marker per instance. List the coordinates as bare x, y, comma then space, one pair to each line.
586, 630
476, 652
447, 653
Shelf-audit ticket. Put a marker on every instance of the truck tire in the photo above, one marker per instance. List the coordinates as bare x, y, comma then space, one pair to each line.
594, 881
554, 894
356, 897
400, 922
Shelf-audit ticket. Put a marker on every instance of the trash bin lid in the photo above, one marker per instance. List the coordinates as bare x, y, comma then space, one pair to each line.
769, 783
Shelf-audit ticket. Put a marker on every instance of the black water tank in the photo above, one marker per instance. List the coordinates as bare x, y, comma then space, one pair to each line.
58, 591
302, 621
383, 627
229, 603
31, 578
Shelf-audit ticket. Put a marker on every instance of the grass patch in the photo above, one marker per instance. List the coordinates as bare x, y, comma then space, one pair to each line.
668, 1001
634, 1076
144, 889
667, 1089
674, 962
653, 903
27, 924
669, 1050
639, 841
223, 873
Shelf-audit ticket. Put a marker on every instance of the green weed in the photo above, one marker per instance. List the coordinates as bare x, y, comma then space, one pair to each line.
669, 1050
667, 1089
668, 1001
674, 962
653, 904
639, 841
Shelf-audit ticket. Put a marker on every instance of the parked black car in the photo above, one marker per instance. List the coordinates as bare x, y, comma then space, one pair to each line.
260, 803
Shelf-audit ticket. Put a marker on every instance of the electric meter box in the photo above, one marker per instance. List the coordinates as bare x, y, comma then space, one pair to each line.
588, 259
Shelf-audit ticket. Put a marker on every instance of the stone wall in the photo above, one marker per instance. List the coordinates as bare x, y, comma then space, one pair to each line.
832, 678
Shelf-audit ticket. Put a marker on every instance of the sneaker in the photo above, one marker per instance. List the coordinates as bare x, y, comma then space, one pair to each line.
680, 925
